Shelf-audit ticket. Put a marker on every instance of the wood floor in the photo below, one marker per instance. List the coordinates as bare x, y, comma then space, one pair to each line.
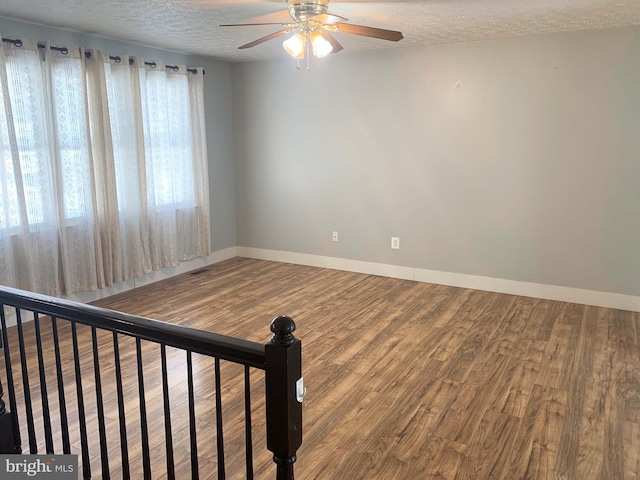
405, 380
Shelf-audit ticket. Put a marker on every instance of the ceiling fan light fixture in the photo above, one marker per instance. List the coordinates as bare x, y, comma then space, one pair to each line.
295, 45
313, 27
321, 47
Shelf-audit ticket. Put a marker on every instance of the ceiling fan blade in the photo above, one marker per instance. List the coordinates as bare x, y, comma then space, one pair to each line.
380, 33
252, 24
331, 39
266, 38
328, 18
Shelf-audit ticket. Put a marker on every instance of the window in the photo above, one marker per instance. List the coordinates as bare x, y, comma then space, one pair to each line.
107, 157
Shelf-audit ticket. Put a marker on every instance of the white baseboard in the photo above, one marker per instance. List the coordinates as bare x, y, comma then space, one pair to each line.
498, 285
184, 267
163, 273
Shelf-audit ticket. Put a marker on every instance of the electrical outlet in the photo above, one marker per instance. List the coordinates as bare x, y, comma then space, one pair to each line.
335, 236
395, 243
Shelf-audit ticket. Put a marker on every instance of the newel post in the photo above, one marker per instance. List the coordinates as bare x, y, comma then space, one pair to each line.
8, 428
6, 435
284, 392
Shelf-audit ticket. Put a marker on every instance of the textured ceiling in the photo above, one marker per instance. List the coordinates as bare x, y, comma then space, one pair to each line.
192, 26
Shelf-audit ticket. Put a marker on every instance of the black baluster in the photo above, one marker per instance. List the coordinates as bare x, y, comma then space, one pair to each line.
48, 436
15, 428
3, 408
146, 460
64, 421
192, 420
171, 474
247, 423
124, 448
283, 355
219, 432
82, 419
102, 430
31, 430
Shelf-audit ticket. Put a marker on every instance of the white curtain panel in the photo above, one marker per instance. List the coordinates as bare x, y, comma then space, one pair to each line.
103, 168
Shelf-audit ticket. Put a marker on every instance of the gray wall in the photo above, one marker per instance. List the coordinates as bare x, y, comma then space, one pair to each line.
516, 159
217, 84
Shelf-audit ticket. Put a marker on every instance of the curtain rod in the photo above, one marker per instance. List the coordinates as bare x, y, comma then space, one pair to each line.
18, 43
64, 50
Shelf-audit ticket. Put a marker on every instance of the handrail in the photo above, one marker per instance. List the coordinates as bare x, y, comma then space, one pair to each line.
197, 341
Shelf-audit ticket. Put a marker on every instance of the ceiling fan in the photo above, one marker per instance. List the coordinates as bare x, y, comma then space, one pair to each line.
312, 29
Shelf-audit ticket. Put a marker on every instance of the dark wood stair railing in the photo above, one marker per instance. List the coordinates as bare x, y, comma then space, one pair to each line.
280, 358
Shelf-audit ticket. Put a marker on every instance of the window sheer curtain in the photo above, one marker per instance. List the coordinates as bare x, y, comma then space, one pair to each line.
103, 168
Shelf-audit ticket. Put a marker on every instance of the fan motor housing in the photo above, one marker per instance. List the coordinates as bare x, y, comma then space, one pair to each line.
302, 10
